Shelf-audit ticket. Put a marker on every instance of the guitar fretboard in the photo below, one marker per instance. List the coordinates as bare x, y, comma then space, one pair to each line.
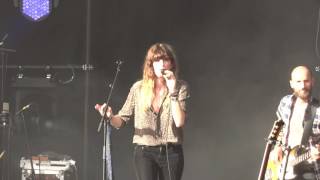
301, 158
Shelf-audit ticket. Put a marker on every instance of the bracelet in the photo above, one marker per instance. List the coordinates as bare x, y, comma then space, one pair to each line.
174, 98
109, 118
174, 94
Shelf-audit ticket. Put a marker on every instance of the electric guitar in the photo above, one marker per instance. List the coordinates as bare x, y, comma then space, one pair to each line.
296, 155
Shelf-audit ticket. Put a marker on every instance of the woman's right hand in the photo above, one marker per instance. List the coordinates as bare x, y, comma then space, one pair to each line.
101, 109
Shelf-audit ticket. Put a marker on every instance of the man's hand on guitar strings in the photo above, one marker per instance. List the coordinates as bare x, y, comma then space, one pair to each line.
315, 152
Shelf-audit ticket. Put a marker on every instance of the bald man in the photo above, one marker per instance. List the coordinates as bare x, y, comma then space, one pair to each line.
300, 113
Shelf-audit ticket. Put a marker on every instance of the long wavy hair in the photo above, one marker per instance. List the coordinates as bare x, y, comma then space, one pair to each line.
155, 52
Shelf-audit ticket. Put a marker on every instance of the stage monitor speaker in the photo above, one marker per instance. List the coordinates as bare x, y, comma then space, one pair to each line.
46, 169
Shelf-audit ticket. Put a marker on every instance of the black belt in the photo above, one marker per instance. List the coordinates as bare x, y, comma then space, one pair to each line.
162, 146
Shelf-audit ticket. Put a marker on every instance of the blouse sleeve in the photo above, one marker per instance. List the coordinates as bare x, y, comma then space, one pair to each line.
184, 95
127, 109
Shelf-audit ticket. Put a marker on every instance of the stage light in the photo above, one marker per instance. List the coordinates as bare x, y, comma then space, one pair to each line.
36, 10
20, 72
49, 72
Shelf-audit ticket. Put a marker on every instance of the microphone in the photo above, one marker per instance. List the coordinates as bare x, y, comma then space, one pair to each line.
163, 72
2, 153
3, 39
24, 108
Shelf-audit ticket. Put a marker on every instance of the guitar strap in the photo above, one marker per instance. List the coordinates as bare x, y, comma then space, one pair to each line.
308, 121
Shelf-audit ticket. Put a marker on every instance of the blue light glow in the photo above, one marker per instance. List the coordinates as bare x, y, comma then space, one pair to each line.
36, 9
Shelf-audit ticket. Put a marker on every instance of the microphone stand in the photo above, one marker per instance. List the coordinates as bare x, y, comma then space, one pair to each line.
33, 176
107, 160
5, 164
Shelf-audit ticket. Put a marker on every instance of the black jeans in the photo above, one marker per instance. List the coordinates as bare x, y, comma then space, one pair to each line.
154, 162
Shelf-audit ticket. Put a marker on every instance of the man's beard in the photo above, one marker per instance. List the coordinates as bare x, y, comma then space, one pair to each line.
302, 94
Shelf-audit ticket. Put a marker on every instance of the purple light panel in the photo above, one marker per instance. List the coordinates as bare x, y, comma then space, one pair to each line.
36, 9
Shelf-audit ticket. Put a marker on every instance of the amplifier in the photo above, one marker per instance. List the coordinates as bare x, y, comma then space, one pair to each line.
47, 169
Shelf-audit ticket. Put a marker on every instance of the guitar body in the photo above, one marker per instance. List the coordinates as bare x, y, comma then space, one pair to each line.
272, 172
296, 158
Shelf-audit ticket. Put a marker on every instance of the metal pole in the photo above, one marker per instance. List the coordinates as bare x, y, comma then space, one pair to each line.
85, 67
4, 160
86, 96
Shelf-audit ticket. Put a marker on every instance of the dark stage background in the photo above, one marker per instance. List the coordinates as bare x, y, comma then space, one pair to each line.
236, 56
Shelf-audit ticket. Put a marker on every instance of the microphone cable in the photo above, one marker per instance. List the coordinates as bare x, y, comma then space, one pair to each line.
167, 134
67, 81
168, 163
